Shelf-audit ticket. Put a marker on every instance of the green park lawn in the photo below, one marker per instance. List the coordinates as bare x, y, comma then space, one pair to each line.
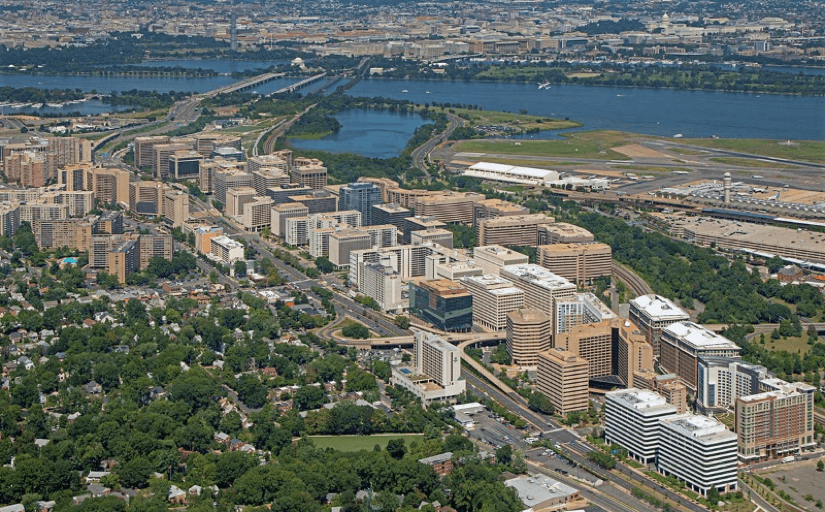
806, 150
356, 443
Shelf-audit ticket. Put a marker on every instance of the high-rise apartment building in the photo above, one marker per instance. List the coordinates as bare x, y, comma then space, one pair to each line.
593, 342
146, 197
383, 283
226, 250
267, 177
652, 313
529, 332
419, 223
360, 197
583, 308
542, 288
123, 259
236, 198
155, 246
257, 214
683, 343
143, 148
776, 422
721, 380
436, 375
562, 377
175, 207
493, 299
635, 354
110, 185
9, 218
578, 263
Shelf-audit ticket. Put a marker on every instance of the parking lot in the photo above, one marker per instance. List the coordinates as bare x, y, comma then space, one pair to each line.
798, 479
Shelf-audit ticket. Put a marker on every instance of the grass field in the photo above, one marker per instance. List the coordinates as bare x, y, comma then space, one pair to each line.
809, 151
749, 162
792, 345
355, 443
517, 121
595, 144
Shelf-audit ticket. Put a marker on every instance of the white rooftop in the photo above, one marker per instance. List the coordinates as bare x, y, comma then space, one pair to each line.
700, 337
536, 489
527, 172
659, 308
641, 400
701, 427
538, 275
226, 242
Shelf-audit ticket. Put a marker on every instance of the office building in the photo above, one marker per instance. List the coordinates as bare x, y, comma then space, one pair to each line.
257, 214
494, 208
228, 153
236, 198
512, 230
175, 207
446, 266
562, 378
445, 304
271, 163
206, 143
631, 420
492, 258
652, 313
283, 193
143, 148
699, 451
406, 197
683, 343
342, 242
224, 179
317, 237
391, 213
264, 178
155, 246
349, 218
409, 260
360, 197
146, 197
448, 207
563, 233
493, 299
309, 172
296, 233
161, 154
529, 332
721, 380
436, 375
281, 212
776, 422
383, 283
185, 165
419, 223
578, 263
582, 308
542, 289
318, 201
226, 250
123, 259
438, 236
542, 494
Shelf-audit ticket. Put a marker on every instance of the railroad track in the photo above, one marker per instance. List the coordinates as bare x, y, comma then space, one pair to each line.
636, 283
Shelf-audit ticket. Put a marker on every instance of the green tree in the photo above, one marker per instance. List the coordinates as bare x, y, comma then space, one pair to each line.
308, 398
252, 391
396, 448
402, 322
240, 268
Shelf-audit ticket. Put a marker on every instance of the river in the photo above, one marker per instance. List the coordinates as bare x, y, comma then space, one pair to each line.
649, 111
371, 133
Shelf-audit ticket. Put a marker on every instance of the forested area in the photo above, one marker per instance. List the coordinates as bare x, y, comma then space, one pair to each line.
35, 95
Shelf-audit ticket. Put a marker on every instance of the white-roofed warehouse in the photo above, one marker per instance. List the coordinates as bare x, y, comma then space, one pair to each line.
511, 173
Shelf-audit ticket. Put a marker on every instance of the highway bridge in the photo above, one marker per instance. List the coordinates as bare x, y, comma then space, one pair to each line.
303, 83
249, 83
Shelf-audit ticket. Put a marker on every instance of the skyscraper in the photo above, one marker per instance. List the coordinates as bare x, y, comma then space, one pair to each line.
360, 197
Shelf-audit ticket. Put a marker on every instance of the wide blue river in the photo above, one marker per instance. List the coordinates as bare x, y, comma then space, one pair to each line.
650, 111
